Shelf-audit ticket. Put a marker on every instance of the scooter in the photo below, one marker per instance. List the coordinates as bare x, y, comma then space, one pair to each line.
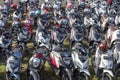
16, 26
81, 62
22, 39
36, 63
61, 62
105, 67
14, 63
59, 58
116, 57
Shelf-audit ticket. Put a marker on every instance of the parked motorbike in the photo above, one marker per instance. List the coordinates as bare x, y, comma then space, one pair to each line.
16, 27
43, 38
61, 62
94, 38
13, 66
76, 34
105, 68
22, 39
81, 62
116, 57
36, 63
5, 45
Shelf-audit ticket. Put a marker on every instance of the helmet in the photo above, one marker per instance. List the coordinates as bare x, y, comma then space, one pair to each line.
69, 6
48, 1
17, 15
15, 6
104, 4
64, 22
7, 34
4, 11
28, 23
56, 6
87, 11
24, 31
103, 46
37, 12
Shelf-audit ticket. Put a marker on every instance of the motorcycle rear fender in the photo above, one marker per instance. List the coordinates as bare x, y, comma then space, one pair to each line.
15, 75
109, 72
85, 71
35, 75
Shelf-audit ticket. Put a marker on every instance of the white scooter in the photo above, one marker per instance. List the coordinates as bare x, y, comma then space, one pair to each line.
81, 62
105, 66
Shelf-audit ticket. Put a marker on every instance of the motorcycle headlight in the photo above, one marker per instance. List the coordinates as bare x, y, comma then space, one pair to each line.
36, 62
67, 61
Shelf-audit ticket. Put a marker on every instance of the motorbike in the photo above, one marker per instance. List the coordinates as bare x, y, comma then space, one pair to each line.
116, 58
22, 39
42, 38
59, 57
14, 63
76, 34
61, 62
16, 26
94, 38
5, 45
36, 63
81, 62
105, 67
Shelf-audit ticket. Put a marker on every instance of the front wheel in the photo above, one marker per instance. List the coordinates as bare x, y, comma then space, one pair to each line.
30, 77
82, 76
8, 77
107, 76
65, 76
117, 74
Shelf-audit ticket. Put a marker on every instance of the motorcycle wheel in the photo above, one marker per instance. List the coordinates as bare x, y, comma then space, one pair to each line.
8, 77
65, 76
106, 76
13, 78
30, 77
117, 75
82, 76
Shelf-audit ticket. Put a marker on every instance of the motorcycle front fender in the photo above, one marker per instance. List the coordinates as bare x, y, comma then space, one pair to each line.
85, 71
35, 75
17, 76
109, 72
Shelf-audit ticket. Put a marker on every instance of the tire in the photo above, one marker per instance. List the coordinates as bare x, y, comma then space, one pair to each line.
65, 76
30, 77
107, 76
82, 76
8, 77
117, 75
13, 78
